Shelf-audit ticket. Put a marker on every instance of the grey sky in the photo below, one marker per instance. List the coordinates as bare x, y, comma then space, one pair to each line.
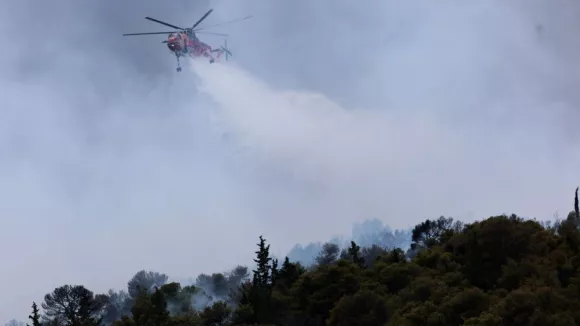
111, 162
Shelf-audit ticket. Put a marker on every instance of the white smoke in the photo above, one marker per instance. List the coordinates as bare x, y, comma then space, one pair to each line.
361, 162
311, 134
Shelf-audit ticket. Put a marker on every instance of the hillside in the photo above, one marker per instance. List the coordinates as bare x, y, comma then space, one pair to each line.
503, 270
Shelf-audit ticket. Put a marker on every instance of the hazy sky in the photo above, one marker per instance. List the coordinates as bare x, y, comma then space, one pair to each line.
331, 112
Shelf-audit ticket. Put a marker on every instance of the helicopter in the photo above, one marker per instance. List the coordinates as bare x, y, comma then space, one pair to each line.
184, 41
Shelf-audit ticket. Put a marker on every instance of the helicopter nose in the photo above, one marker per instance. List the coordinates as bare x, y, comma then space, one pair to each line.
174, 46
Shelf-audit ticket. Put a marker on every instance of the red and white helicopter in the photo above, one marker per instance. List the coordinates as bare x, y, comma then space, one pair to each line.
184, 41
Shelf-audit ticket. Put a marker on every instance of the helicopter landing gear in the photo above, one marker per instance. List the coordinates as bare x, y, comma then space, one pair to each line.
178, 65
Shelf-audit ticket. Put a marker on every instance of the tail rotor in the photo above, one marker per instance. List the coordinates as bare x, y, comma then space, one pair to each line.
225, 49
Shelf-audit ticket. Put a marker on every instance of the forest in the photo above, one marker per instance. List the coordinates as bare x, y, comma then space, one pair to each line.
502, 270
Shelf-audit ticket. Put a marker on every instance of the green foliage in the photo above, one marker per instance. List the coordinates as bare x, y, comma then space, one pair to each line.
576, 209
145, 281
73, 305
354, 254
216, 314
35, 316
504, 270
364, 308
262, 273
328, 254
432, 232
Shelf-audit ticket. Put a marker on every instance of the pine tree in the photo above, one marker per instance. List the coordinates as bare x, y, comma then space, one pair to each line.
35, 317
354, 254
260, 296
159, 311
576, 205
288, 274
274, 272
262, 273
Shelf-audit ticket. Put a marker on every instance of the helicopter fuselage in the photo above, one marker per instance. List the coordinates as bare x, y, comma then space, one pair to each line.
182, 44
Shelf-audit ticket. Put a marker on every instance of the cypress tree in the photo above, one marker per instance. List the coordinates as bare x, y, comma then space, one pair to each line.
35, 317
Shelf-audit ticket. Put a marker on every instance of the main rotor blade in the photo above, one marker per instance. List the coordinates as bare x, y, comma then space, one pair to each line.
202, 18
164, 23
210, 33
221, 24
147, 33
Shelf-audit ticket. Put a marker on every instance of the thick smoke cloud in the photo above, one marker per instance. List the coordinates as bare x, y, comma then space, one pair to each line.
112, 163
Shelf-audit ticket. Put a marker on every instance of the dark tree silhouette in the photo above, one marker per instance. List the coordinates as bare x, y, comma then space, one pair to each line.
262, 272
145, 280
576, 209
35, 316
73, 305
502, 270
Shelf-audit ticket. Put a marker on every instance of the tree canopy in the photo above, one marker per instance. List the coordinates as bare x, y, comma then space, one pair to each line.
502, 270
